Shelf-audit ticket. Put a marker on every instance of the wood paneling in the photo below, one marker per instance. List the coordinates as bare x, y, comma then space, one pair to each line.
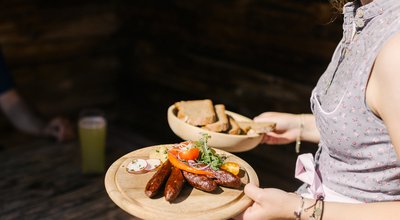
251, 55
135, 58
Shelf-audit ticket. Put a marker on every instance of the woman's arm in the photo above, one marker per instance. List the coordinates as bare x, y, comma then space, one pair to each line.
364, 211
383, 90
288, 127
310, 132
270, 203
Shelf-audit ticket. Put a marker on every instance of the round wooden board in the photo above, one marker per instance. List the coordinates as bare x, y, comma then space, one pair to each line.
127, 191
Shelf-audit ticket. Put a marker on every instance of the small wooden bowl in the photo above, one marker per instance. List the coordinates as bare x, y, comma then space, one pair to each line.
227, 142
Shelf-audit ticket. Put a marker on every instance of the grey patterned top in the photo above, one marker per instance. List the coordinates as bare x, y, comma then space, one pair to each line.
355, 156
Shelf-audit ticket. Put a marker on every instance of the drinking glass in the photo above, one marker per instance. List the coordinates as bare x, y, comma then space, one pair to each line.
92, 135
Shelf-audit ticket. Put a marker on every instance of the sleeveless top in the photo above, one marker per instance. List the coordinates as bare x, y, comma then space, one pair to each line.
356, 157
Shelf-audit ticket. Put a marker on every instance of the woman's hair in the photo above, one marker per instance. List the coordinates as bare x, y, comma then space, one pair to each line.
338, 4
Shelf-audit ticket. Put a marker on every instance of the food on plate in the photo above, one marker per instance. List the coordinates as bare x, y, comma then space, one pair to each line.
183, 166
227, 179
137, 166
159, 153
174, 184
152, 164
189, 154
222, 124
231, 167
200, 182
196, 112
196, 163
158, 179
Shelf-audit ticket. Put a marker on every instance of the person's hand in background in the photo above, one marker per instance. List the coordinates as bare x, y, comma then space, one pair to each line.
25, 120
60, 128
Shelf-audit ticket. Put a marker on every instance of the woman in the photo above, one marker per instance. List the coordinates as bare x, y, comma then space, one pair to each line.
355, 120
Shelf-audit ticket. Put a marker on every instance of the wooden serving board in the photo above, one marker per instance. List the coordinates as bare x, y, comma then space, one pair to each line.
127, 191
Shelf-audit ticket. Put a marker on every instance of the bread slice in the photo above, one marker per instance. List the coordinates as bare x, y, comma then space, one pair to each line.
222, 123
196, 112
234, 127
258, 127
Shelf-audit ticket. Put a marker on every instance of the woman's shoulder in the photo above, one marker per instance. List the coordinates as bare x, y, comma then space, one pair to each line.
388, 60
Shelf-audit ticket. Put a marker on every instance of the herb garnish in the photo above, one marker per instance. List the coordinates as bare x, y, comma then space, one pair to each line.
208, 155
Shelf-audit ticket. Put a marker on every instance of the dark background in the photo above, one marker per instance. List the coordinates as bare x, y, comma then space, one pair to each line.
135, 58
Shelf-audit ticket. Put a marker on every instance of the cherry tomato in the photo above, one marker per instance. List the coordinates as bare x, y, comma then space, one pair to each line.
231, 167
189, 154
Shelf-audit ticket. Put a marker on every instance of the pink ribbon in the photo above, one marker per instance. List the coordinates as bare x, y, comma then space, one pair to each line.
305, 171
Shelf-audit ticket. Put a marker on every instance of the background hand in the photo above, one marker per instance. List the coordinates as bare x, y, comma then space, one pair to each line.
61, 129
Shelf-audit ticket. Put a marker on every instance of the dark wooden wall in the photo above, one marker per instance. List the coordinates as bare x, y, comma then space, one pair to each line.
135, 58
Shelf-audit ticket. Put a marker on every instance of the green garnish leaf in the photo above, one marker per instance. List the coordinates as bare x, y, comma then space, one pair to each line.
208, 155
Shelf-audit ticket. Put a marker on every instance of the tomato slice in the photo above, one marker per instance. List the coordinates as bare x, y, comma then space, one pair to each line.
189, 154
231, 167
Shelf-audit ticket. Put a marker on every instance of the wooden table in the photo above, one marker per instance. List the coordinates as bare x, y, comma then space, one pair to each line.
41, 179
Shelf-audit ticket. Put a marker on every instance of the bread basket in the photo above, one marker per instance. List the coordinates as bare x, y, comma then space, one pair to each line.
227, 142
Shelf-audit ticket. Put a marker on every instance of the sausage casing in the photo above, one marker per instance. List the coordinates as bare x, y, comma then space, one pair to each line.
158, 179
174, 184
227, 179
200, 182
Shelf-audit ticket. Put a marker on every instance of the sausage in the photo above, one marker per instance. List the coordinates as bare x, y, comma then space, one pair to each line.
227, 179
174, 184
158, 179
200, 182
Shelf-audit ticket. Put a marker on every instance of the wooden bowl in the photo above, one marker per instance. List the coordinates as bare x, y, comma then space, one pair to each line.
227, 142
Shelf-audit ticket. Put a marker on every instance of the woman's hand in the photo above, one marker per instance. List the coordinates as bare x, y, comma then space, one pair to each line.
287, 127
269, 203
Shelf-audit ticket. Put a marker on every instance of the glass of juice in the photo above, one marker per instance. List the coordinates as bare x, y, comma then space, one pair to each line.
92, 127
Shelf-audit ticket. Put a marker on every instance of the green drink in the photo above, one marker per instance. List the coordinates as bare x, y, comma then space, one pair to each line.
92, 135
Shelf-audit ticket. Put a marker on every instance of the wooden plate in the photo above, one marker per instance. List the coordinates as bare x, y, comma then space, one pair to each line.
127, 191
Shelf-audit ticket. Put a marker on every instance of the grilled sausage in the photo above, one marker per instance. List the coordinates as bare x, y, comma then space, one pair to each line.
227, 179
200, 182
174, 184
158, 179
